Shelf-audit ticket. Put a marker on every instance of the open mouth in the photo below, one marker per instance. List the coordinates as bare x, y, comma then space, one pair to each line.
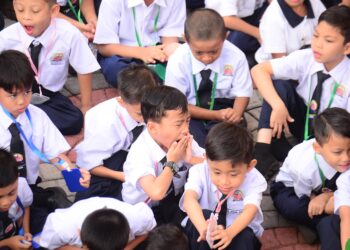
29, 29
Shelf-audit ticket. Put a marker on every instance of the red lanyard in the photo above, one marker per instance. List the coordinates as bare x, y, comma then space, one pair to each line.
220, 202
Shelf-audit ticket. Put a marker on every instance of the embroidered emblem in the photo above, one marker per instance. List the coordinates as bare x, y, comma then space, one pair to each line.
340, 91
237, 195
228, 70
313, 105
9, 228
18, 157
57, 58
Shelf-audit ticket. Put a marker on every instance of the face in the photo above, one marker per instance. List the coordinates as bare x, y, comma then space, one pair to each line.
328, 45
227, 177
206, 51
336, 152
8, 196
134, 110
15, 102
172, 127
34, 15
294, 3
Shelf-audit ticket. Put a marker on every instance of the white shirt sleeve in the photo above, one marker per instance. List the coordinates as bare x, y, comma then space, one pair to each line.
342, 195
195, 179
174, 26
255, 190
242, 83
25, 194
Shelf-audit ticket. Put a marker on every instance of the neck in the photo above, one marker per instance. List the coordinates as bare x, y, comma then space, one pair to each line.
331, 65
300, 10
148, 2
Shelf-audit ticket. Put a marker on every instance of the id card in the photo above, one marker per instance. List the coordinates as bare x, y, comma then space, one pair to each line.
72, 180
39, 99
213, 222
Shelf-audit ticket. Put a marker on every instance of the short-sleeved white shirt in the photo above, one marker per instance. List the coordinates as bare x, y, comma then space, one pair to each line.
283, 31
231, 67
108, 129
144, 159
63, 226
300, 65
116, 22
240, 8
25, 195
250, 192
300, 169
342, 195
63, 44
46, 137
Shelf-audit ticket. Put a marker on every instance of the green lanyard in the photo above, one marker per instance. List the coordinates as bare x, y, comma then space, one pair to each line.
154, 26
213, 90
77, 15
322, 176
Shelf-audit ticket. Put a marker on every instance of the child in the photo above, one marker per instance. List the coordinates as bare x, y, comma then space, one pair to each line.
306, 181
211, 72
15, 199
228, 185
291, 107
98, 224
52, 44
128, 32
110, 129
157, 164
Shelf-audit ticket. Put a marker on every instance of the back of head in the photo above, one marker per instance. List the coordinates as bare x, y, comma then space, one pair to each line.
105, 229
168, 237
331, 121
227, 141
15, 71
133, 82
338, 16
8, 168
204, 25
156, 101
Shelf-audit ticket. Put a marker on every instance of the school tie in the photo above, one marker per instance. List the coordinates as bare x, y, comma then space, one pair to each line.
204, 89
223, 212
35, 48
17, 149
331, 184
136, 132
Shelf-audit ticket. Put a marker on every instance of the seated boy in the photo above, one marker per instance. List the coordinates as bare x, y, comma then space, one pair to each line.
211, 72
322, 74
51, 44
110, 129
307, 179
157, 164
226, 184
91, 222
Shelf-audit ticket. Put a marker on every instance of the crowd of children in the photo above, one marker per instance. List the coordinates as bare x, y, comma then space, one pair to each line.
169, 163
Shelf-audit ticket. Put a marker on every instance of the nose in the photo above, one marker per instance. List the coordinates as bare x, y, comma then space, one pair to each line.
20, 99
186, 128
206, 58
224, 180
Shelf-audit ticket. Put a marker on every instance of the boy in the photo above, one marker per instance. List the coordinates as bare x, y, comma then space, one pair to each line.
15, 199
129, 31
322, 74
211, 72
228, 185
51, 44
62, 227
156, 166
110, 129
305, 184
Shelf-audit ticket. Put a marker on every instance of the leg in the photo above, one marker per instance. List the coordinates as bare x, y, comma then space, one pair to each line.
329, 232
245, 240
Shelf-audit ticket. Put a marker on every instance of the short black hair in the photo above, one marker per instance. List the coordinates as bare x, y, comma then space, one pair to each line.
15, 71
204, 25
168, 237
8, 168
105, 229
156, 101
133, 82
338, 16
231, 142
331, 121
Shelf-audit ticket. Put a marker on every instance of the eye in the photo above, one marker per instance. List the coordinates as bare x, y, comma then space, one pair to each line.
329, 41
13, 96
28, 92
337, 152
315, 35
199, 53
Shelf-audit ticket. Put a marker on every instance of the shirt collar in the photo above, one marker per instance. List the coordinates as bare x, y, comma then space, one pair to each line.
157, 152
134, 3
7, 121
292, 18
327, 170
130, 123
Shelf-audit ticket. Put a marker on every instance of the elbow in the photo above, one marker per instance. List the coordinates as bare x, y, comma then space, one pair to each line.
102, 49
157, 194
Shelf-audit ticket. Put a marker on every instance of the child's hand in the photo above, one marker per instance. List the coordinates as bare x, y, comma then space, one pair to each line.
317, 205
28, 236
279, 119
232, 116
153, 53
85, 178
222, 236
177, 150
188, 153
221, 114
88, 30
202, 233
16, 243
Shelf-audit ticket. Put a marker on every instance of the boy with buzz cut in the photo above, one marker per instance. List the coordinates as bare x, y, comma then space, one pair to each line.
322, 76
228, 185
157, 164
304, 186
51, 44
110, 129
211, 72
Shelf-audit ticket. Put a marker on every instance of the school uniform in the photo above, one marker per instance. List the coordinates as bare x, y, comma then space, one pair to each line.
283, 31
342, 195
62, 44
231, 69
121, 20
63, 226
250, 192
107, 139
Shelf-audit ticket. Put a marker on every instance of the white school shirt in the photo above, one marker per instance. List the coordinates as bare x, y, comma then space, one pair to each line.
283, 31
300, 170
250, 192
116, 21
46, 137
300, 65
63, 226
63, 44
342, 194
232, 68
144, 159
107, 130
25, 195
240, 8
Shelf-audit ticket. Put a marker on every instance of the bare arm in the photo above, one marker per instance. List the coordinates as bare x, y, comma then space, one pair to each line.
236, 23
26, 224
202, 113
240, 105
344, 213
85, 85
68, 247
278, 55
89, 12
156, 187
108, 173
135, 242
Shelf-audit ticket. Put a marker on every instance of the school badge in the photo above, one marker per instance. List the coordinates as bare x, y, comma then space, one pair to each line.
228, 70
18, 157
56, 58
313, 105
340, 91
237, 195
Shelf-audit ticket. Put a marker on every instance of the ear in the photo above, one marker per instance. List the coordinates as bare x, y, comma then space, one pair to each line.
317, 147
55, 9
152, 127
347, 48
121, 101
252, 164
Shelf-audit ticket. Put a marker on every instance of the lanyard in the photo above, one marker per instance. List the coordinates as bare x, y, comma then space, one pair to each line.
138, 39
213, 90
220, 202
322, 176
77, 15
